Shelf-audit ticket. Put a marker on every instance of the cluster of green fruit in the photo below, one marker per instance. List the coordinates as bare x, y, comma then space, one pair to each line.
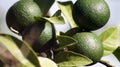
89, 15
36, 32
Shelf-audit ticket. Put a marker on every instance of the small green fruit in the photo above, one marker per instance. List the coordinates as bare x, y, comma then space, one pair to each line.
90, 14
22, 14
88, 45
40, 36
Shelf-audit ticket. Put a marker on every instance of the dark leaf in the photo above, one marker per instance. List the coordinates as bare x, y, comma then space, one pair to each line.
70, 59
44, 5
65, 41
73, 31
117, 53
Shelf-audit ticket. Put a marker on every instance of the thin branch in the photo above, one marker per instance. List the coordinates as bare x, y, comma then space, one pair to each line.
107, 64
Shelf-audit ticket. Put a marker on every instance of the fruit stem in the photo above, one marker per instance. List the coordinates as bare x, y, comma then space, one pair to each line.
107, 64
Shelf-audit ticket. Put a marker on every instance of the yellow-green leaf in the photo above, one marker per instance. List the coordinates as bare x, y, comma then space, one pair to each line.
19, 50
66, 8
55, 19
110, 40
46, 62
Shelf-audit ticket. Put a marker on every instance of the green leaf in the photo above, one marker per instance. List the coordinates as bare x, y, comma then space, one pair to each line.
73, 31
69, 59
55, 19
44, 5
46, 62
110, 40
57, 13
65, 41
29, 53
117, 53
66, 8
19, 50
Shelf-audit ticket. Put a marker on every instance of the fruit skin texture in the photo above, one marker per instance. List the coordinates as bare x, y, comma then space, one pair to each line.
22, 14
88, 45
90, 14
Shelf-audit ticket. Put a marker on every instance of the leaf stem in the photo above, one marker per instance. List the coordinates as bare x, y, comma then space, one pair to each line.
72, 23
107, 64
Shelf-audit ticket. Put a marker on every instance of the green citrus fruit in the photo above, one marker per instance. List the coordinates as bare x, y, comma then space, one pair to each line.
88, 45
22, 14
90, 14
46, 40
40, 36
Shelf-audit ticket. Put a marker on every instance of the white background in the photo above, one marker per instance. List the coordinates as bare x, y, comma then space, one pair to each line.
113, 21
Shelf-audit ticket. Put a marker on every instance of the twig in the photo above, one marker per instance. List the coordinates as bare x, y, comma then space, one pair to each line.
107, 64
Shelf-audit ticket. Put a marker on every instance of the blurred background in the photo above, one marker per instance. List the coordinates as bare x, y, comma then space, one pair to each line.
113, 21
